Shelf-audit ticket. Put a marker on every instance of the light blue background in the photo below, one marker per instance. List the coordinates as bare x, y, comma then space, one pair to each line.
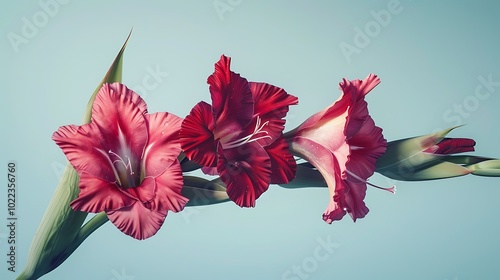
429, 57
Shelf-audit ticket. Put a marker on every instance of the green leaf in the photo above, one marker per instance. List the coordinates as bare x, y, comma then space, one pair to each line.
56, 231
440, 170
201, 191
113, 75
54, 240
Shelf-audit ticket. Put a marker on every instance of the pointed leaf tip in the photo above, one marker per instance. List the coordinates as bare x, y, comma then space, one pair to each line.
114, 74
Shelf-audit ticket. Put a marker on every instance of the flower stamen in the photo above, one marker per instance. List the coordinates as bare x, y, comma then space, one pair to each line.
391, 189
128, 166
249, 138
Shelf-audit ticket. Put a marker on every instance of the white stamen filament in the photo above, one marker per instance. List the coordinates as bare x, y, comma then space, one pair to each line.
127, 165
247, 139
391, 189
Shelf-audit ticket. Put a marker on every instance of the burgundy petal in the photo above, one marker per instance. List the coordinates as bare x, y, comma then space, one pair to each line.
334, 211
163, 144
283, 165
354, 92
365, 148
455, 145
97, 195
356, 117
232, 101
271, 106
197, 139
363, 87
354, 194
246, 171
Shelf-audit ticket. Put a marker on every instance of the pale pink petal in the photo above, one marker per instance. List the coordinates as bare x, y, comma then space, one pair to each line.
337, 108
329, 129
137, 220
97, 195
81, 145
331, 169
168, 189
337, 206
163, 144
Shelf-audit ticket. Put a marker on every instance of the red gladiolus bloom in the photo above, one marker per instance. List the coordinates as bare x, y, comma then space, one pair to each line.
239, 136
127, 161
343, 143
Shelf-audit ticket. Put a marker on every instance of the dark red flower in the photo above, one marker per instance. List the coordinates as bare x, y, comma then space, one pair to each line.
240, 135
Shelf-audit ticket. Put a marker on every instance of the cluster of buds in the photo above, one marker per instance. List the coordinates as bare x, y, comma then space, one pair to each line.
433, 156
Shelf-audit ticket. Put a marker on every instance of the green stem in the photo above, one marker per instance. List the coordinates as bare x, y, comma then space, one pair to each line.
89, 227
85, 231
